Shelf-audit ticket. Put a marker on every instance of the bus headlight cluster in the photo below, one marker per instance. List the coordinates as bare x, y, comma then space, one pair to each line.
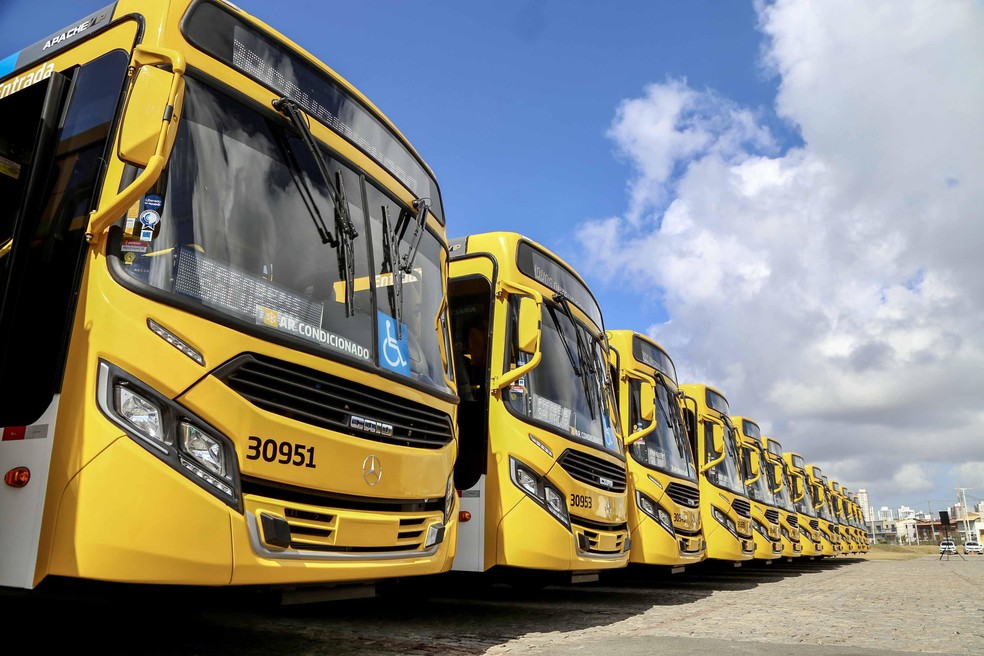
725, 521
656, 511
762, 529
538, 489
170, 432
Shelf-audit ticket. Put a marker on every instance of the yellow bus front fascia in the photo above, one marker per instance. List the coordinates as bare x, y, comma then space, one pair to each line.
809, 546
651, 543
791, 547
522, 533
721, 543
767, 547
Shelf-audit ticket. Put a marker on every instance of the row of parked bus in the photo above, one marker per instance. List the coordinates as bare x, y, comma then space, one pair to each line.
237, 347
581, 451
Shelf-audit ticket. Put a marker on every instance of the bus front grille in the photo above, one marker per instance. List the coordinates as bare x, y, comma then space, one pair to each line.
683, 495
320, 399
319, 522
793, 521
743, 508
599, 539
772, 516
593, 471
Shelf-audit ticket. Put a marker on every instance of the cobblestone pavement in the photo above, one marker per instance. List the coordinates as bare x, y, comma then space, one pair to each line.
842, 606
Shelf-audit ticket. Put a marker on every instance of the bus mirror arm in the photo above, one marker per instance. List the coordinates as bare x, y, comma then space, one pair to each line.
712, 463
145, 91
529, 330
647, 403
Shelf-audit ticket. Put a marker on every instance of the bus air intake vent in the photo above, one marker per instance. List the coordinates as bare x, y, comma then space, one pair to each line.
320, 399
793, 521
815, 524
743, 508
593, 471
683, 495
772, 516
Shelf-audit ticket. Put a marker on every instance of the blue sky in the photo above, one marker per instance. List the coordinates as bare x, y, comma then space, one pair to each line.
787, 195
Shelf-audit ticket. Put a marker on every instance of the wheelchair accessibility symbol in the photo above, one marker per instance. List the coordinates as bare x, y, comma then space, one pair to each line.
394, 353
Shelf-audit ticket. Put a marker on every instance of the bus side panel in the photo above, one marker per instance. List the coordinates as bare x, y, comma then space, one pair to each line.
21, 508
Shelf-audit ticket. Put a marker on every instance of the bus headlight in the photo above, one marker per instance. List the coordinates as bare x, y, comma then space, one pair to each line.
725, 521
762, 529
137, 411
656, 511
537, 488
168, 430
202, 447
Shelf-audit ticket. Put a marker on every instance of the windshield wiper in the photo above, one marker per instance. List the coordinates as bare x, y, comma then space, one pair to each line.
422, 205
391, 255
345, 230
671, 419
585, 358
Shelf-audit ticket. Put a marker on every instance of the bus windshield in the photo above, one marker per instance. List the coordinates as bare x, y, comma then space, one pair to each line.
232, 232
725, 473
805, 505
569, 390
665, 448
782, 497
761, 489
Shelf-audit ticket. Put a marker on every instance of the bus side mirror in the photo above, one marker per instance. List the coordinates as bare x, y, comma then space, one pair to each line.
754, 469
647, 408
528, 325
147, 131
717, 439
527, 329
145, 110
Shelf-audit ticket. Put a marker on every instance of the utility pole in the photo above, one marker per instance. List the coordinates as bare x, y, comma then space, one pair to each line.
932, 524
963, 509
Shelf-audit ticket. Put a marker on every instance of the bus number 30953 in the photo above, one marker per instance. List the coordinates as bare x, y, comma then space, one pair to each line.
580, 501
286, 453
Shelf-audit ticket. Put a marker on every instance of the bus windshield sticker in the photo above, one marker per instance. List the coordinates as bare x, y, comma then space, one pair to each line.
300, 328
394, 352
551, 412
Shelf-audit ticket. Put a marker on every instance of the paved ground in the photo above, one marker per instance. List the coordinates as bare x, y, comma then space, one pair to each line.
833, 607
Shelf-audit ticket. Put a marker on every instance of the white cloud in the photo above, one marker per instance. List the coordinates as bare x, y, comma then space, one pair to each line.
835, 289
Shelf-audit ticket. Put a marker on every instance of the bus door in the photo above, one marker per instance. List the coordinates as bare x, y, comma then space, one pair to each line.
470, 304
53, 145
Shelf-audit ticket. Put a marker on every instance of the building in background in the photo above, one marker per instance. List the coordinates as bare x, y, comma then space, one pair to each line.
885, 514
865, 504
905, 512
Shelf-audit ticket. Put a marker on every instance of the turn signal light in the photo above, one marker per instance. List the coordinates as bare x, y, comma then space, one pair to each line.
463, 515
17, 477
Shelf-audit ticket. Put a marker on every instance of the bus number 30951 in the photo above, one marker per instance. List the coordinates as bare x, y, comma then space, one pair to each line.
286, 453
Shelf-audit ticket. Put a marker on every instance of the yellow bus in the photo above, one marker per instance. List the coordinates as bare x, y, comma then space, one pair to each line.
765, 514
806, 510
223, 314
725, 511
664, 497
859, 524
829, 536
780, 483
849, 544
541, 471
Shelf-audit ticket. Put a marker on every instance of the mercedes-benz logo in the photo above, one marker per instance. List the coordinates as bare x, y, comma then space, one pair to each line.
372, 470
